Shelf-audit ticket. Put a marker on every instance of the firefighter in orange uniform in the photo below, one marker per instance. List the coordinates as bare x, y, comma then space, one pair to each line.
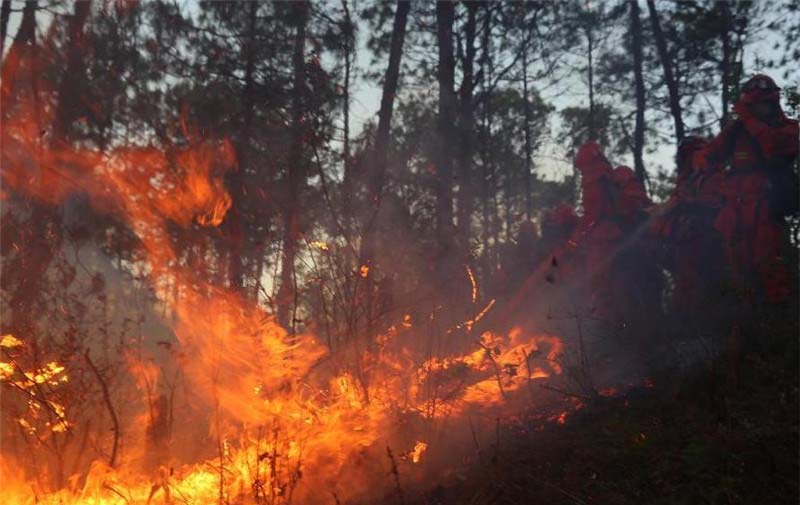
759, 148
686, 229
638, 281
599, 233
625, 282
631, 199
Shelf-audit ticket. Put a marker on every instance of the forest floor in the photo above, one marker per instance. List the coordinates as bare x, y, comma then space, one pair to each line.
697, 436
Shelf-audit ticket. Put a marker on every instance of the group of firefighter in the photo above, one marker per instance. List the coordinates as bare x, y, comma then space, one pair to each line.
723, 233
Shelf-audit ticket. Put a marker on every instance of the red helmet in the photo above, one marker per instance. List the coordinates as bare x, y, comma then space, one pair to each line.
760, 88
623, 175
588, 154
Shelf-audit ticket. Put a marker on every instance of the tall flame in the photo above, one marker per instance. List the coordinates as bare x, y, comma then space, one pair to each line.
283, 424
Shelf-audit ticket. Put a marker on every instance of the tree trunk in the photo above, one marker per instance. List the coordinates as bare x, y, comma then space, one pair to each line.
666, 65
528, 145
236, 178
18, 54
5, 13
466, 196
295, 173
380, 159
638, 132
487, 181
380, 153
71, 99
445, 15
37, 248
592, 125
347, 182
509, 192
740, 24
725, 62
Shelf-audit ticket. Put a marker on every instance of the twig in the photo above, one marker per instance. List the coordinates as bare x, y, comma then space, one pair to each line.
41, 399
564, 492
273, 458
220, 452
475, 438
111, 488
496, 369
565, 393
294, 479
587, 376
528, 368
107, 400
396, 475
497, 437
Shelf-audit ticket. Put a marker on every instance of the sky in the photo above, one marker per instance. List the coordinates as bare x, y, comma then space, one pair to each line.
550, 160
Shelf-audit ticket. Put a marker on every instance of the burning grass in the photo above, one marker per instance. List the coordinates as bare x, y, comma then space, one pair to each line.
277, 438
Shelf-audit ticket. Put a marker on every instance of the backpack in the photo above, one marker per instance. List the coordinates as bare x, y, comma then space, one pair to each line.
783, 189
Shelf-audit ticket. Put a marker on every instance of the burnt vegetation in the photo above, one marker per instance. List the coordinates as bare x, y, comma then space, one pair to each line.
352, 251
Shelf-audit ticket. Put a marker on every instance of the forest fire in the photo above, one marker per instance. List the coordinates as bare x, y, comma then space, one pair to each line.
304, 427
279, 423
300, 430
223, 283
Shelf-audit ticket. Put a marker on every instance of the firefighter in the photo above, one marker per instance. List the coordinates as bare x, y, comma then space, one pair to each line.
686, 229
598, 234
625, 282
759, 147
637, 277
632, 200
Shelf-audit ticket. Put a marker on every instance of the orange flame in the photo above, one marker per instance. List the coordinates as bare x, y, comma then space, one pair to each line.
419, 450
275, 412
